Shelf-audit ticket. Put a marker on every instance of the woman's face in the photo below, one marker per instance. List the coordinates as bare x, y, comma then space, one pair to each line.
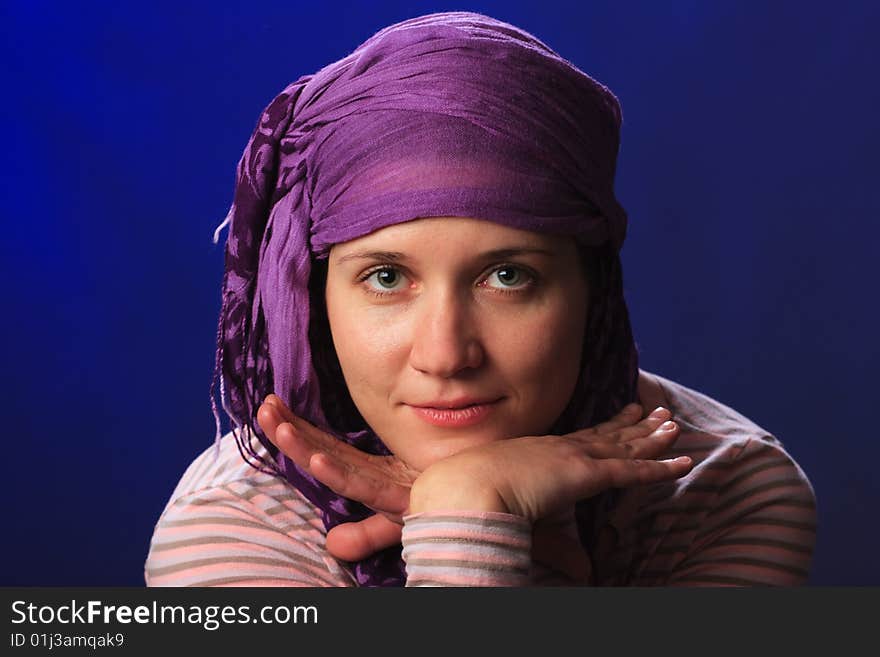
445, 312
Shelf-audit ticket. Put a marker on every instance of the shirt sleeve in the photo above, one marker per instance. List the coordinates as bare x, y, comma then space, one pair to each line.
760, 524
463, 548
240, 535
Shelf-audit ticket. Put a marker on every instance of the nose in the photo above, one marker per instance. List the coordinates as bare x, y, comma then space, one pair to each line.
445, 337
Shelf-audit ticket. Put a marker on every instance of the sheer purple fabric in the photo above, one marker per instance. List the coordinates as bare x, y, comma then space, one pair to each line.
449, 114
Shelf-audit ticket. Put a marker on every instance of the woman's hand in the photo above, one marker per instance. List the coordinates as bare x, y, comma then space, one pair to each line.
542, 478
382, 483
539, 476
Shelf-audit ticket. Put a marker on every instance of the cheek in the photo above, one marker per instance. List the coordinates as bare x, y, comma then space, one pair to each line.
368, 346
547, 350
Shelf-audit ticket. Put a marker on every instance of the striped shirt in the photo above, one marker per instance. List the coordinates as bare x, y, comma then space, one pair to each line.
745, 515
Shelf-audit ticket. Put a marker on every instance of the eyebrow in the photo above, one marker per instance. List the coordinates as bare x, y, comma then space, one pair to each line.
396, 256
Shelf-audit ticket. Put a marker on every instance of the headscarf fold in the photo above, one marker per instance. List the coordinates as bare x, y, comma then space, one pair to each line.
449, 114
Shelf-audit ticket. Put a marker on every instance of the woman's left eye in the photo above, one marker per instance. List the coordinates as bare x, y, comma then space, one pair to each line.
511, 278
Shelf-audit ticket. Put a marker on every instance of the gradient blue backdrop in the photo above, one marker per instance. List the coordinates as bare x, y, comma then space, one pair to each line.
748, 167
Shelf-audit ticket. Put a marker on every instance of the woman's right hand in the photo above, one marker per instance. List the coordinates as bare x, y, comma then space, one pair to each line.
380, 482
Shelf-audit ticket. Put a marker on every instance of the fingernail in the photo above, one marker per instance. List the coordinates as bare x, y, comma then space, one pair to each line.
667, 426
658, 412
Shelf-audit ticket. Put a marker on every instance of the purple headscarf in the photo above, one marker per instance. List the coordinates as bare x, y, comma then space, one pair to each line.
449, 114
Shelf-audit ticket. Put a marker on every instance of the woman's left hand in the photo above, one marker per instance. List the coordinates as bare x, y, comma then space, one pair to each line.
538, 476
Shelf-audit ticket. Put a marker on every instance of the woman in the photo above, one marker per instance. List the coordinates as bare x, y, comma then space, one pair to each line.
427, 356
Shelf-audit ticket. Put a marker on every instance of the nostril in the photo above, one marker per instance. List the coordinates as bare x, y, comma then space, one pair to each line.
447, 360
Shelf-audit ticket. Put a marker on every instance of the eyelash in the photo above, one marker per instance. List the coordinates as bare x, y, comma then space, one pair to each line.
531, 279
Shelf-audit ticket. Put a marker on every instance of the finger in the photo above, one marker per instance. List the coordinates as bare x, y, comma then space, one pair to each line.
274, 401
622, 473
627, 416
275, 409
275, 412
299, 442
294, 445
320, 440
641, 447
353, 541
639, 429
271, 413
302, 449
377, 492
269, 418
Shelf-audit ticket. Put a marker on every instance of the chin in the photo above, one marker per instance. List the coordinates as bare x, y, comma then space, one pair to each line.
433, 450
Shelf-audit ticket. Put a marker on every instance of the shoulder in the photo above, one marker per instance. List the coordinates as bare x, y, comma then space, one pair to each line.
221, 464
715, 435
746, 496
698, 412
227, 522
221, 467
739, 466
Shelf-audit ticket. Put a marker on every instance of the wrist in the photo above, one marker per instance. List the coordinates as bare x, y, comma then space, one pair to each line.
433, 491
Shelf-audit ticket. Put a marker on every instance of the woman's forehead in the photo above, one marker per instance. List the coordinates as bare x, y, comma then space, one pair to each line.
461, 233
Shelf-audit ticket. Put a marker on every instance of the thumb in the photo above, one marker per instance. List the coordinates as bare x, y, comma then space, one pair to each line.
353, 541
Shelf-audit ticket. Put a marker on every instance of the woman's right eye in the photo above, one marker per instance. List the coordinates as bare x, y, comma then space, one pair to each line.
382, 281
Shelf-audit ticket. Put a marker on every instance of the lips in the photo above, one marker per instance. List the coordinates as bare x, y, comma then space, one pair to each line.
459, 403
458, 416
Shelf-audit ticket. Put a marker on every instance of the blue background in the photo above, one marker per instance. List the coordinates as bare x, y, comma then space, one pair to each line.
748, 166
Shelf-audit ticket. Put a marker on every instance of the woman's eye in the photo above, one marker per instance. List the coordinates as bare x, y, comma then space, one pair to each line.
386, 279
511, 278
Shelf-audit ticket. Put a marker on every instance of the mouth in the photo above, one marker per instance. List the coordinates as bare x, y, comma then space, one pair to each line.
460, 416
